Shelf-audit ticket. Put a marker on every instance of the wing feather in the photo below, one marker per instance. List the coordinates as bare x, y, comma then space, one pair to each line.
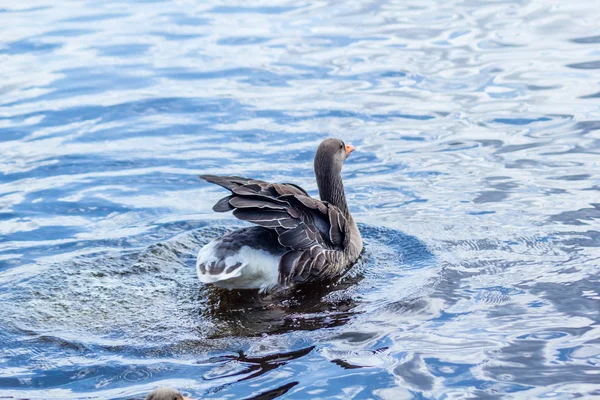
246, 202
223, 205
337, 222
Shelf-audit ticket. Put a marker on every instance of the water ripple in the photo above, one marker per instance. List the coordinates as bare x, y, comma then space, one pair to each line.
475, 181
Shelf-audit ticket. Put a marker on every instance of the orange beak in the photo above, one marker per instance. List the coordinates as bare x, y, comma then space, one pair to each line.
349, 149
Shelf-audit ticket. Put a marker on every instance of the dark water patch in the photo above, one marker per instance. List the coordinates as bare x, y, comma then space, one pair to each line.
68, 32
123, 49
186, 19
586, 40
591, 96
96, 17
28, 46
520, 121
24, 10
585, 65
583, 216
576, 240
7, 135
242, 40
273, 393
175, 37
587, 126
490, 196
481, 212
539, 87
579, 177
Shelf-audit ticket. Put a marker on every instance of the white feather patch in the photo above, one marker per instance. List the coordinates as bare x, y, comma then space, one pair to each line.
259, 269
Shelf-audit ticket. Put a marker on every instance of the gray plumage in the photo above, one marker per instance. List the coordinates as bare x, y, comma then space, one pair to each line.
315, 239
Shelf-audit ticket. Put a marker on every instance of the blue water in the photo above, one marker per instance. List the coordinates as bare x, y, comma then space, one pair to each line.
475, 182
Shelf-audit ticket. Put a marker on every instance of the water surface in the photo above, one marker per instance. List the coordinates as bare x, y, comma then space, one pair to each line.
475, 182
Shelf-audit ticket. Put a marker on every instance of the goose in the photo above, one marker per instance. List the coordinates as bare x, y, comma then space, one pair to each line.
166, 393
296, 238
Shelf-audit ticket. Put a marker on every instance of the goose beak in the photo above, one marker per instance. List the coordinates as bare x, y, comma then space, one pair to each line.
349, 149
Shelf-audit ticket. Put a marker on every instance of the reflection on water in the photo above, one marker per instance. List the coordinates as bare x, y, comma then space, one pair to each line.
475, 181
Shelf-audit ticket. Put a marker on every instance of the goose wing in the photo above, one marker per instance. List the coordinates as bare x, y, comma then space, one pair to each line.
315, 231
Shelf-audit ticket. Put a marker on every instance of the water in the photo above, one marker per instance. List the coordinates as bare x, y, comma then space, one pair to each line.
475, 182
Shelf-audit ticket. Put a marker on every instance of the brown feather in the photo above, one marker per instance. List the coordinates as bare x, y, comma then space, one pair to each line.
253, 202
297, 238
223, 205
287, 265
335, 232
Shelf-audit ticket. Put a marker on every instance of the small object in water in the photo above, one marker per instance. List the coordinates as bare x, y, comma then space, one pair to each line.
166, 393
298, 238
